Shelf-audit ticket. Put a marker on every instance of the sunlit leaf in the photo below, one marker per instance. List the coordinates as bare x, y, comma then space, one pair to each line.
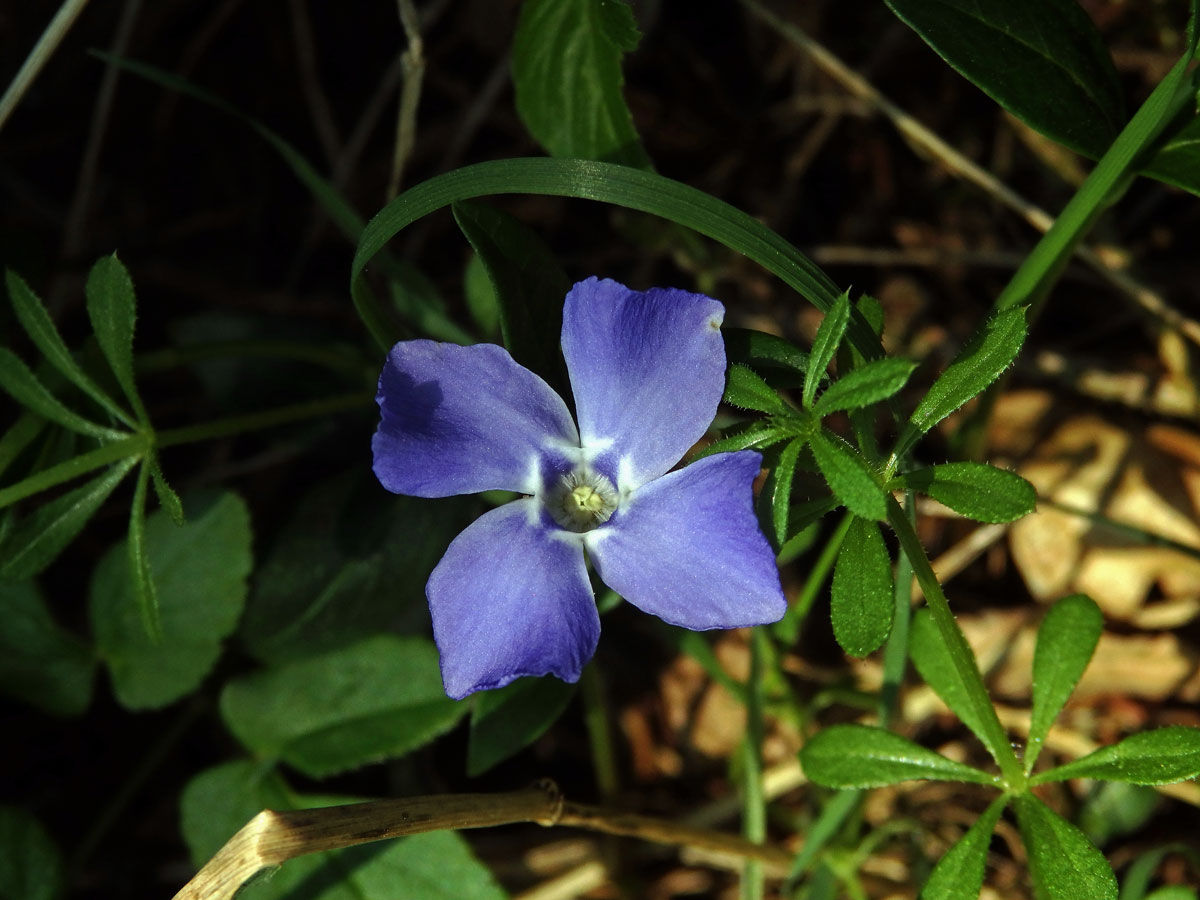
861, 756
825, 345
861, 604
976, 490
959, 873
1063, 863
848, 475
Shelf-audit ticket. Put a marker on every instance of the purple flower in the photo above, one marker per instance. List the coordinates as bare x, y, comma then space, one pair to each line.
511, 597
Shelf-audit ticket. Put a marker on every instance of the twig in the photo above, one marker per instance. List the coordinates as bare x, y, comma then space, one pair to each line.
73, 238
925, 140
273, 837
39, 55
410, 94
310, 81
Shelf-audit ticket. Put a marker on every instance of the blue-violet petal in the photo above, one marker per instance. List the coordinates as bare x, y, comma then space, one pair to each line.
687, 548
511, 597
459, 420
647, 370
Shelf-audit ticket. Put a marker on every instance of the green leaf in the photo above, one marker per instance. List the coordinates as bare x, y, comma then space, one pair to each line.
1042, 60
781, 489
849, 476
350, 562
417, 301
1161, 756
40, 327
825, 345
567, 77
619, 185
511, 718
529, 282
745, 389
959, 873
434, 866
1063, 863
31, 865
139, 563
932, 661
757, 435
167, 498
374, 700
112, 307
36, 540
870, 383
976, 490
861, 604
758, 349
1114, 809
200, 572
1065, 643
40, 662
482, 301
982, 361
862, 756
1136, 883
19, 381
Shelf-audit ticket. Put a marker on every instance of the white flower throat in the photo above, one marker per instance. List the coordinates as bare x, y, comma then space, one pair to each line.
581, 500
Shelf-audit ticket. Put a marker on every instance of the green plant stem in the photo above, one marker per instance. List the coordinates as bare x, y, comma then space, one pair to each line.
173, 357
595, 717
788, 628
283, 415
957, 649
895, 654
1032, 281
754, 803
140, 443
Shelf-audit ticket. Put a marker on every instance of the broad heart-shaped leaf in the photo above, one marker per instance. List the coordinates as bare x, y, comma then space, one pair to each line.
513, 717
1065, 643
40, 327
567, 76
1161, 756
863, 756
200, 572
869, 383
373, 700
746, 389
434, 866
861, 603
530, 285
24, 387
352, 561
959, 873
1063, 863
976, 490
1178, 162
982, 360
40, 662
36, 540
758, 350
848, 475
825, 345
112, 307
31, 866
482, 302
928, 654
1042, 60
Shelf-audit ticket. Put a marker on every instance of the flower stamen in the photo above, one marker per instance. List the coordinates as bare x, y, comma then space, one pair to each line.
581, 500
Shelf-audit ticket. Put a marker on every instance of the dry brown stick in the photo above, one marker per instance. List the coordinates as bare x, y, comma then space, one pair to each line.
275, 836
921, 137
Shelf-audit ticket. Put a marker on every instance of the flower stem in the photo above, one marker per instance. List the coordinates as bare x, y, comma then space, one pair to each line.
283, 415
595, 716
956, 647
754, 804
